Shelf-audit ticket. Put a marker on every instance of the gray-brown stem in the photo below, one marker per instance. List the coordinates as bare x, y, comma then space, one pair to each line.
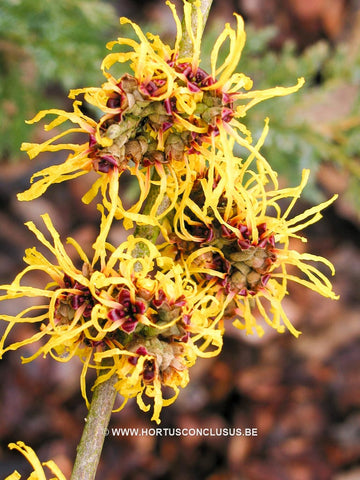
92, 440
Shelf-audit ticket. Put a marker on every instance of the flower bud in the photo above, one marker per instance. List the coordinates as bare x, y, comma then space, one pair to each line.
128, 83
113, 131
135, 149
174, 147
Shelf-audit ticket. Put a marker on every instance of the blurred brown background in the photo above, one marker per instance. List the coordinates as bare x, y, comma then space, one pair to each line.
302, 395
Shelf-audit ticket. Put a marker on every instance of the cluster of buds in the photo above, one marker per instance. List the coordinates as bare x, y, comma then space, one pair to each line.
244, 266
163, 357
148, 131
247, 264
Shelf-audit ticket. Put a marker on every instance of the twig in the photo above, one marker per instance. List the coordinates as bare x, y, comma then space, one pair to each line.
186, 47
92, 440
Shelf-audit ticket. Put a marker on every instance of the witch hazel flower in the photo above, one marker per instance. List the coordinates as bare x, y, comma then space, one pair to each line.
234, 237
111, 310
188, 98
152, 119
163, 360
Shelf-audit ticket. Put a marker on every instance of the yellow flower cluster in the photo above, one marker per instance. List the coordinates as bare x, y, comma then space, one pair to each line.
154, 119
144, 311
